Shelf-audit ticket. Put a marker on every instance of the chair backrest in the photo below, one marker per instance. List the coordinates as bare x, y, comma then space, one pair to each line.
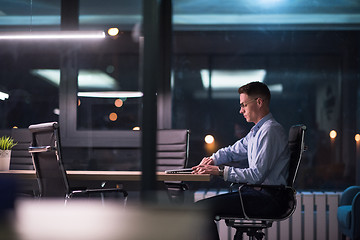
172, 149
20, 156
46, 154
297, 147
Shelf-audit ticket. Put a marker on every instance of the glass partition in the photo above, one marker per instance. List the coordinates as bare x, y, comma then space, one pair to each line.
307, 52
108, 83
309, 64
25, 96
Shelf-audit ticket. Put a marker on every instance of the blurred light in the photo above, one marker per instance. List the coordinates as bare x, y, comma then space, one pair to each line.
52, 35
110, 69
15, 127
136, 128
113, 116
333, 134
3, 96
79, 102
113, 31
111, 94
357, 137
209, 139
227, 79
56, 111
90, 219
118, 102
88, 79
276, 88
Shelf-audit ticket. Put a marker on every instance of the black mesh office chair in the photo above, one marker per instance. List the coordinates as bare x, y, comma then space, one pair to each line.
51, 175
253, 225
173, 153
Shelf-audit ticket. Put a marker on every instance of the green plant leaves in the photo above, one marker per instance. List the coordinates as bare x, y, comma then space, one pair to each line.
6, 143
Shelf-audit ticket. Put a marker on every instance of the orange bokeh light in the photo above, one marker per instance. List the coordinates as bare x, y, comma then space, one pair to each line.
333, 134
209, 139
113, 116
357, 137
118, 102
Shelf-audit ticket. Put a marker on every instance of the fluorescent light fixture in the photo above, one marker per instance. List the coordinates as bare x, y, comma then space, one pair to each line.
87, 79
224, 83
111, 94
230, 79
52, 35
3, 96
276, 88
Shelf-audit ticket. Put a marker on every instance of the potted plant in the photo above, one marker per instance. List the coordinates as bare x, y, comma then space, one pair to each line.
6, 144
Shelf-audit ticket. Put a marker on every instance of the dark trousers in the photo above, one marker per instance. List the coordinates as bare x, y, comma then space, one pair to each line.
256, 203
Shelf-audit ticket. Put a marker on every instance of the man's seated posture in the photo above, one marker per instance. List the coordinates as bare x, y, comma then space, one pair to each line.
264, 154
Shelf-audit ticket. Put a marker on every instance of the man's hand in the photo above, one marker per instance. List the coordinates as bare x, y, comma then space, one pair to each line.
206, 161
206, 169
206, 166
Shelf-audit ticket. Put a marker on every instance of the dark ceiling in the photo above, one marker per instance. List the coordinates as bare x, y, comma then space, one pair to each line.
188, 14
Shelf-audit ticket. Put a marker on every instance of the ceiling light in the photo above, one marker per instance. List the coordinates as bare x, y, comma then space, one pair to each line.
113, 31
230, 79
48, 35
3, 96
224, 83
87, 79
111, 94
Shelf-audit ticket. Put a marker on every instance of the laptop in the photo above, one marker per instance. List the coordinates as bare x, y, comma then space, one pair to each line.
179, 171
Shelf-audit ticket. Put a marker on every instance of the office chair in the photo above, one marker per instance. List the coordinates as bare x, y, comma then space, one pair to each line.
20, 156
348, 213
21, 160
172, 153
253, 225
51, 175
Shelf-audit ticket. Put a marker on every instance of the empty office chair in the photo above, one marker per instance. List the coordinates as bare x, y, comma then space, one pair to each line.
348, 213
253, 225
46, 153
21, 160
173, 153
20, 157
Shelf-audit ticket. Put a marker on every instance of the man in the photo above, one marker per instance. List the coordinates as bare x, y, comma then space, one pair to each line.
264, 154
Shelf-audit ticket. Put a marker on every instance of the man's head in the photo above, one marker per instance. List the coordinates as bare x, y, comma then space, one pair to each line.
254, 101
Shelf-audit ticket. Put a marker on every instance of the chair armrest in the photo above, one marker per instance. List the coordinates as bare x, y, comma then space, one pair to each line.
102, 190
40, 149
261, 186
348, 195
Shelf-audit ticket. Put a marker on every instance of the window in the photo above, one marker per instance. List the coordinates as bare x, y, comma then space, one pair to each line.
312, 76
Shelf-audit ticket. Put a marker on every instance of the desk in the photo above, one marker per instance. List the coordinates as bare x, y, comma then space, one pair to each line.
113, 175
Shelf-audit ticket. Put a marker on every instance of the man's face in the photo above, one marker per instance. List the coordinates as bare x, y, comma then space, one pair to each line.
249, 108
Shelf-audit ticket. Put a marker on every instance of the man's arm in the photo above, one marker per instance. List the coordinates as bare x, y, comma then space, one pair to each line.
234, 153
209, 165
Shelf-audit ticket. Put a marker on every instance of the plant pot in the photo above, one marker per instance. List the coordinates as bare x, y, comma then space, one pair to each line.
5, 160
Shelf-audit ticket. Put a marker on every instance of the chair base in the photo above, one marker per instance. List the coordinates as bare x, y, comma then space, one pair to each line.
252, 229
252, 234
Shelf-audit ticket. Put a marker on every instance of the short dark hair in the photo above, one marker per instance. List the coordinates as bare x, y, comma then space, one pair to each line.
256, 89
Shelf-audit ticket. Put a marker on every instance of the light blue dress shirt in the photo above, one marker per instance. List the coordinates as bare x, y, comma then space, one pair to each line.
263, 155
